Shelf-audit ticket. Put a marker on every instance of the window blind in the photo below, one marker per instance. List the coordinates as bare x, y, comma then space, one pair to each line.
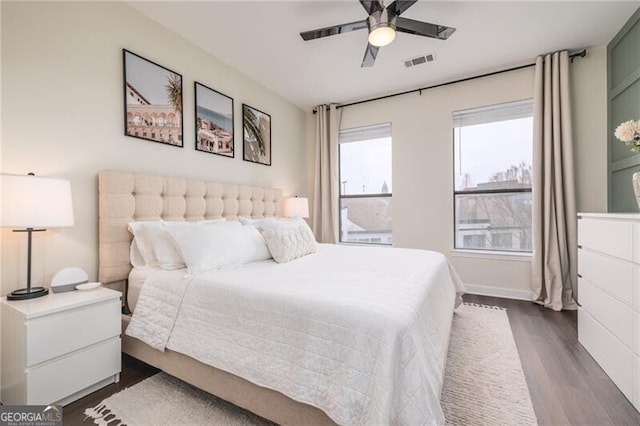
492, 113
356, 134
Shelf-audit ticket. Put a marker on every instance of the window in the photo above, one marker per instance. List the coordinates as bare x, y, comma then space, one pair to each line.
492, 153
365, 184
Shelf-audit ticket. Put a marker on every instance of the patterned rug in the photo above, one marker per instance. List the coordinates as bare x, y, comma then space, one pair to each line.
483, 385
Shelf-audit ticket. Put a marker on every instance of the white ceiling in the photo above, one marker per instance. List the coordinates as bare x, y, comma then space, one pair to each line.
261, 39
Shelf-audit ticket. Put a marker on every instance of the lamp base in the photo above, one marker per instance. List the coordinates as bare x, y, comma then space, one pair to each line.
27, 293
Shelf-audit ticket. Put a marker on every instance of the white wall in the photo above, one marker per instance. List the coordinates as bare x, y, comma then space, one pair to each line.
589, 90
62, 115
423, 163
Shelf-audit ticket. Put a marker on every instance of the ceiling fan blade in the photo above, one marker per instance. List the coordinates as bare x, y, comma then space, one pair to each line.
369, 56
336, 29
399, 6
372, 5
423, 28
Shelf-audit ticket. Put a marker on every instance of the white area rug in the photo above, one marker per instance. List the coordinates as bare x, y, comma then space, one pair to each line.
484, 385
483, 382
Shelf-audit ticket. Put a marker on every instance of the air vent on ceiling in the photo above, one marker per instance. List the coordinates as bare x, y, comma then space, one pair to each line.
429, 57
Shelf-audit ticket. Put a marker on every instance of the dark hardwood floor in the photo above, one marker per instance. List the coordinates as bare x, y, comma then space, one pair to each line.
567, 386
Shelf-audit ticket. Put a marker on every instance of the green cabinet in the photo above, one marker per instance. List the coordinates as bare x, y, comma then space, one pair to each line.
623, 97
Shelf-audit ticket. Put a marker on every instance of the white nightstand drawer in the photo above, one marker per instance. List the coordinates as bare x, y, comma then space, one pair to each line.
59, 347
51, 336
54, 381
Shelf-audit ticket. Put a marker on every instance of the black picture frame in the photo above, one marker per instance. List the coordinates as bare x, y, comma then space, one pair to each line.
152, 101
256, 135
214, 131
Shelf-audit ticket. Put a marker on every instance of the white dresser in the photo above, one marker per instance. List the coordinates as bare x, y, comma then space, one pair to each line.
60, 347
609, 294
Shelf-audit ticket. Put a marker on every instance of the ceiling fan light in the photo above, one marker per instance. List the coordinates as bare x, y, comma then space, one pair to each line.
382, 36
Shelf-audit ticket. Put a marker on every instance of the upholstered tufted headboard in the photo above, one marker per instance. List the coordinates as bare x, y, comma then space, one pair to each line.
127, 197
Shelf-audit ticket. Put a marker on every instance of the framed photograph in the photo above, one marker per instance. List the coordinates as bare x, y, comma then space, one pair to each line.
256, 127
214, 121
152, 101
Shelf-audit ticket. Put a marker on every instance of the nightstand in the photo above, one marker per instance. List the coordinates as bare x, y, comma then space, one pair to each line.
60, 347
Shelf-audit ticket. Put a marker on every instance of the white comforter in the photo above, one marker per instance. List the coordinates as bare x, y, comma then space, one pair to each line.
358, 332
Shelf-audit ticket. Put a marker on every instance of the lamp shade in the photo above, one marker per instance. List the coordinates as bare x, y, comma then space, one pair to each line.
35, 202
296, 206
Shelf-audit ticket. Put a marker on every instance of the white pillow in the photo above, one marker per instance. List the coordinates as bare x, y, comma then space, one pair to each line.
135, 257
286, 244
144, 236
250, 221
213, 247
210, 221
168, 254
157, 248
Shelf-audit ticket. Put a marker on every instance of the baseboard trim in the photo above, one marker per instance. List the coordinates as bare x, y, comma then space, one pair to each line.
504, 293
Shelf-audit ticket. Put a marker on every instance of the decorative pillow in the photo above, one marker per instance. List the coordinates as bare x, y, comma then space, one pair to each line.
212, 247
286, 244
291, 223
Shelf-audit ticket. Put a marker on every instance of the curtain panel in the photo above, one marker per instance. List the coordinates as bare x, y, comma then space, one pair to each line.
325, 188
554, 262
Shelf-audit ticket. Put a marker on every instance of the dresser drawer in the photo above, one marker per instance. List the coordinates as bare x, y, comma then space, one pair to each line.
613, 237
636, 382
611, 275
636, 333
45, 335
614, 315
51, 382
613, 356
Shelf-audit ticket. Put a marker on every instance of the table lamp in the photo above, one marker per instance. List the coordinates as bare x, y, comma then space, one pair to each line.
32, 204
296, 207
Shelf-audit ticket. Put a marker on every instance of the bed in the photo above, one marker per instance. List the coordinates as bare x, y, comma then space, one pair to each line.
347, 335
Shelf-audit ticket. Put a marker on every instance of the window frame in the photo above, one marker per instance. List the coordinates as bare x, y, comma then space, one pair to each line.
476, 191
342, 196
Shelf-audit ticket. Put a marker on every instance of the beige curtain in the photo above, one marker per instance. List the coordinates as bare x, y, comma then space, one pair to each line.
555, 255
325, 188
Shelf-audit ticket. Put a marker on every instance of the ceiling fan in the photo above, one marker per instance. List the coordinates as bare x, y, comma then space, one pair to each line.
383, 22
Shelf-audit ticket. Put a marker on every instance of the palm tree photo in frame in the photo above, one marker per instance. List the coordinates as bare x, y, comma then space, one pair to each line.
256, 127
214, 121
153, 101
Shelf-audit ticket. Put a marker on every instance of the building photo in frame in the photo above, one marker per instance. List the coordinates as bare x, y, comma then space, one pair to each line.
256, 127
214, 121
153, 101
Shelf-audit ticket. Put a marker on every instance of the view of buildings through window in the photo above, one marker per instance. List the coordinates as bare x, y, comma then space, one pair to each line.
365, 185
493, 158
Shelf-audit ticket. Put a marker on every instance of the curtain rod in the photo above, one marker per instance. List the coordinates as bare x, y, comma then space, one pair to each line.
580, 54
